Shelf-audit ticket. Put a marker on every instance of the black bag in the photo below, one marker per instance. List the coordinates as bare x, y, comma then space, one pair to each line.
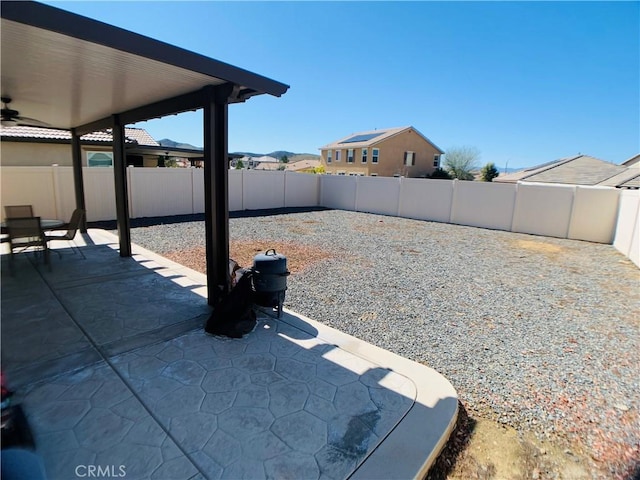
233, 316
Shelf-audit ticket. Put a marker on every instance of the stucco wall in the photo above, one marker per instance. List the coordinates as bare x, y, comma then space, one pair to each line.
23, 154
30, 154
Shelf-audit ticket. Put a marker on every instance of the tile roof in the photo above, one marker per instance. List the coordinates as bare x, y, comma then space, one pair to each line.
134, 135
302, 165
577, 170
141, 136
267, 166
370, 138
632, 161
629, 178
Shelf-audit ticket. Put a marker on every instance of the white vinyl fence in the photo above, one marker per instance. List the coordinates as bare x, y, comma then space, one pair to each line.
595, 214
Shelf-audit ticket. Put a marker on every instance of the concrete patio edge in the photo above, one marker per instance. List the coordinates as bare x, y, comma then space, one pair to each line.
413, 445
427, 425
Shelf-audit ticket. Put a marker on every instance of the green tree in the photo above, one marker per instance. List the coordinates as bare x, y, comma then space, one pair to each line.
167, 161
239, 165
489, 172
461, 161
440, 173
284, 159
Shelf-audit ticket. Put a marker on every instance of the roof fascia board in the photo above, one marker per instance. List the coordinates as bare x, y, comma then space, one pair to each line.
96, 126
86, 29
59, 141
169, 106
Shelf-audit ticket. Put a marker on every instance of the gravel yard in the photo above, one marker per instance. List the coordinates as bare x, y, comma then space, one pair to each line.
538, 333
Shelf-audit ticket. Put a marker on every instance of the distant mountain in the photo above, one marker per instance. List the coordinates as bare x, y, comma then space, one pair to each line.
510, 170
279, 154
165, 142
248, 154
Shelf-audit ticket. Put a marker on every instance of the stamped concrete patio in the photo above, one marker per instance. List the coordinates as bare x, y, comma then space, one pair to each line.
110, 360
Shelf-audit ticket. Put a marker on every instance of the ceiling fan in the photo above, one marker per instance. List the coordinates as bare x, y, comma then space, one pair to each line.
11, 118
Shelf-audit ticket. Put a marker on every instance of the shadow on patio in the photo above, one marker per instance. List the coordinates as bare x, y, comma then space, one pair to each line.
110, 359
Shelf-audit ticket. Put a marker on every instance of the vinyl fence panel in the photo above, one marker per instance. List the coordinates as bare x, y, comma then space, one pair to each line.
235, 191
99, 193
64, 187
593, 217
156, 192
543, 209
377, 195
426, 199
301, 189
483, 204
627, 235
30, 186
262, 189
338, 191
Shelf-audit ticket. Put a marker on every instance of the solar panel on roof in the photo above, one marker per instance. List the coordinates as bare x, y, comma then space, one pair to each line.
362, 138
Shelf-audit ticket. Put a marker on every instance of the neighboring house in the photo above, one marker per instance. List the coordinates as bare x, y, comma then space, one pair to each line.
301, 166
579, 170
387, 152
254, 162
34, 146
633, 161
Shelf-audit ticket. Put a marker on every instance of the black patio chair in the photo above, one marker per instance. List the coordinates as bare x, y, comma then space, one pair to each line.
72, 228
25, 233
18, 211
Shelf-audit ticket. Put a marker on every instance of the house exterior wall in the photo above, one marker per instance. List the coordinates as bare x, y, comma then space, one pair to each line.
34, 154
23, 154
390, 159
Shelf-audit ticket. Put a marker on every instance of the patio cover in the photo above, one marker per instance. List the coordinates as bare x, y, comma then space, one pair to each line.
79, 74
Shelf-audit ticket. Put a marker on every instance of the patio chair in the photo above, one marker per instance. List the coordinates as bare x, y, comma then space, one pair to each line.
25, 233
72, 229
18, 211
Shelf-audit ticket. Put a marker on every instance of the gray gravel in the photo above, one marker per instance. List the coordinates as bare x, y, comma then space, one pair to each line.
535, 332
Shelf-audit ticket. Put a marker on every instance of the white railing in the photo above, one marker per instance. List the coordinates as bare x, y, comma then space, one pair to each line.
595, 214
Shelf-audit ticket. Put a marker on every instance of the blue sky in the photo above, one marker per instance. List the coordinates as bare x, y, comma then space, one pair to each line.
524, 82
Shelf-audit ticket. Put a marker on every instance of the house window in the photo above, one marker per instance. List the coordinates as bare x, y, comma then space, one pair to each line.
100, 159
409, 159
375, 154
328, 156
374, 174
364, 155
350, 155
436, 161
338, 155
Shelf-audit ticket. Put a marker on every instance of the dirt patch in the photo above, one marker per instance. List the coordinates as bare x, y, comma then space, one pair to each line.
481, 449
537, 246
299, 256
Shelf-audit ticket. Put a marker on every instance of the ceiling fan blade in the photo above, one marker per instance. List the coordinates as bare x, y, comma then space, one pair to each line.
30, 122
